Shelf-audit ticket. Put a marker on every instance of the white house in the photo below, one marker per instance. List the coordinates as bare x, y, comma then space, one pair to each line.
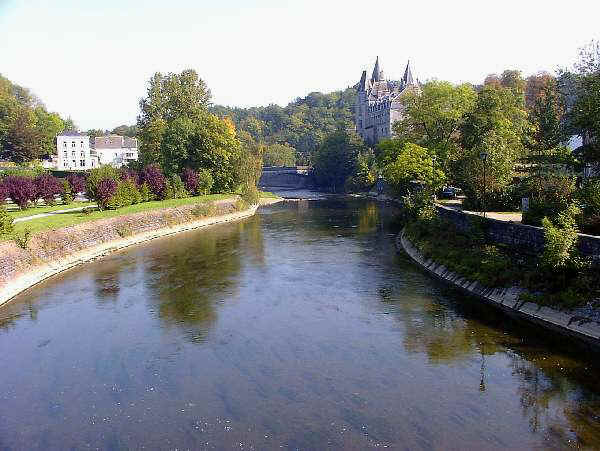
115, 150
73, 152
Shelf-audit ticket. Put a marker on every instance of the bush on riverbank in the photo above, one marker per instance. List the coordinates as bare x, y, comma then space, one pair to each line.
559, 277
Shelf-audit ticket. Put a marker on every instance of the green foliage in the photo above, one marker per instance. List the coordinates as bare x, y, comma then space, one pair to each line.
67, 194
584, 86
589, 198
365, 175
434, 115
127, 194
205, 181
418, 206
6, 222
94, 178
22, 240
175, 188
146, 194
303, 125
250, 194
177, 131
561, 239
497, 127
413, 165
27, 130
279, 155
204, 210
549, 195
336, 159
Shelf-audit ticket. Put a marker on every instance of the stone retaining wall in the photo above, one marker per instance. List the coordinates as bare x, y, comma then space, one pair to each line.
507, 299
526, 237
54, 251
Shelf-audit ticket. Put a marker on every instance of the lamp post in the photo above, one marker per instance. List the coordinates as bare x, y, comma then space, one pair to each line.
484, 157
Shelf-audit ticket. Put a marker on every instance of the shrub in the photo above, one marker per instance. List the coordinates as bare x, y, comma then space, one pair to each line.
76, 183
21, 190
6, 222
22, 240
3, 192
589, 198
48, 187
250, 194
205, 181
203, 210
549, 195
419, 205
560, 239
105, 190
177, 187
190, 179
146, 194
67, 194
153, 176
126, 194
131, 175
94, 179
507, 199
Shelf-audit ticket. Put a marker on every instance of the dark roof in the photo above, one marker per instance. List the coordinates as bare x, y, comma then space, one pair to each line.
72, 133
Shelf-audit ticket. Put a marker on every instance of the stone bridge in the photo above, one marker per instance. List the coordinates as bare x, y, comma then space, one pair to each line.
285, 177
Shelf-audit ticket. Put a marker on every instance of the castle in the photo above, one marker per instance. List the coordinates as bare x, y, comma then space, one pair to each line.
378, 103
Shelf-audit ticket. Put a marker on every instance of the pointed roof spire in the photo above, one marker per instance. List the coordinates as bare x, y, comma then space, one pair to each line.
408, 79
362, 84
377, 73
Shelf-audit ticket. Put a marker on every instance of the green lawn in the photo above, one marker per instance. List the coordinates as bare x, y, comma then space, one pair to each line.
268, 195
72, 218
15, 213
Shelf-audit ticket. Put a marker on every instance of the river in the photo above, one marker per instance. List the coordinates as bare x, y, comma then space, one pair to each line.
301, 328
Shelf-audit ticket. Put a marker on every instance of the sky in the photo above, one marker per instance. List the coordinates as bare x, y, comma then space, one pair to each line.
91, 59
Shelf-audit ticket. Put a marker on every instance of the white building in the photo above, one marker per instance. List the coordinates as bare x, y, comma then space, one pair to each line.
115, 150
73, 152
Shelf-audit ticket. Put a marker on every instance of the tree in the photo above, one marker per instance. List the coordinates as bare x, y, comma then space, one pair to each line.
414, 165
546, 117
279, 155
584, 115
335, 160
126, 130
497, 127
434, 116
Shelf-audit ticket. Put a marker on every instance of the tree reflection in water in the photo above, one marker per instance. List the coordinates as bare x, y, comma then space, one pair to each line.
546, 381
190, 277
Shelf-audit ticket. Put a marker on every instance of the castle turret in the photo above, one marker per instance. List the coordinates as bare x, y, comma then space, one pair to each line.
377, 72
408, 79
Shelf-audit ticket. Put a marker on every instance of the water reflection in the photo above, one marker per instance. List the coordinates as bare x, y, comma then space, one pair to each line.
299, 328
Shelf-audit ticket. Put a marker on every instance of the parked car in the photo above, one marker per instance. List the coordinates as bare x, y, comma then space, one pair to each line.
449, 192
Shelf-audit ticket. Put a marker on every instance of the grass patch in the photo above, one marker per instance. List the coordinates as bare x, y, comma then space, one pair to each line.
16, 213
78, 217
268, 195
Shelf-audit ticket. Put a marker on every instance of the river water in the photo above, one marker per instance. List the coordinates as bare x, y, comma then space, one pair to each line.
300, 328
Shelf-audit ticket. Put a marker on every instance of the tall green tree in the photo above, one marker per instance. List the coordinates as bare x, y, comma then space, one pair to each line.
336, 159
434, 116
496, 130
584, 114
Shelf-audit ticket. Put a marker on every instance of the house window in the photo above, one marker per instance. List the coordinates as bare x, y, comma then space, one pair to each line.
73, 154
82, 163
65, 164
74, 163
73, 144
65, 156
81, 143
64, 144
82, 154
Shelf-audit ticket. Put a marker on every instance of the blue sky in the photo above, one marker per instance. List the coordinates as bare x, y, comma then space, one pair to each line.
91, 59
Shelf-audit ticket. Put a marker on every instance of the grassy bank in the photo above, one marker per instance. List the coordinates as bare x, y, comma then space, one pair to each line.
494, 265
15, 212
77, 217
